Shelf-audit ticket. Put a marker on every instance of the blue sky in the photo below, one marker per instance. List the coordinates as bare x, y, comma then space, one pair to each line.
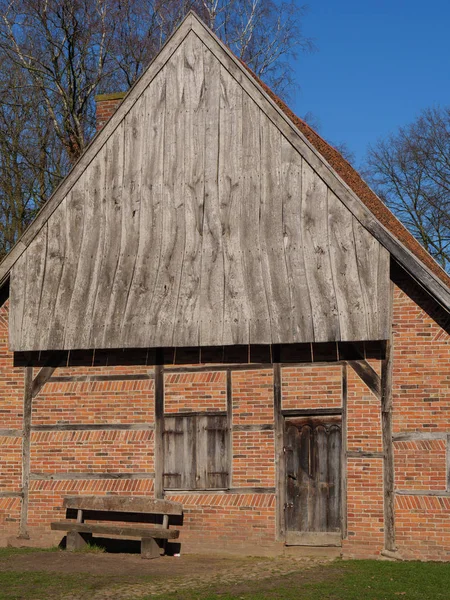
377, 64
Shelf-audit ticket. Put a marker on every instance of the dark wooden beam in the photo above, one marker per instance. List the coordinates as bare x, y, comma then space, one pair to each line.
261, 427
41, 379
83, 378
311, 412
279, 450
94, 427
88, 476
370, 377
344, 392
26, 448
230, 426
388, 449
159, 424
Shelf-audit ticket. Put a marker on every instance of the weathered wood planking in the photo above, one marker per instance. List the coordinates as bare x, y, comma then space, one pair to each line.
198, 223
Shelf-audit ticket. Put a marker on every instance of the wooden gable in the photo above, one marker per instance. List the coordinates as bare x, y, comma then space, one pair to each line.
193, 219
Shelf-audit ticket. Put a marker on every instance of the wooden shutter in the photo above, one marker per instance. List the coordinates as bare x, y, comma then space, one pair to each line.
179, 453
212, 452
196, 452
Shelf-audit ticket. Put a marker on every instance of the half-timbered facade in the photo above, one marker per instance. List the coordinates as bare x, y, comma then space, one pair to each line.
214, 308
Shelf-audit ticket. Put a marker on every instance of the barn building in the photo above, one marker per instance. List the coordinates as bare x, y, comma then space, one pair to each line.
215, 309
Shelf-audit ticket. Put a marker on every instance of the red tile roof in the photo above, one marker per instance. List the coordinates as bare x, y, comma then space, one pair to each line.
359, 186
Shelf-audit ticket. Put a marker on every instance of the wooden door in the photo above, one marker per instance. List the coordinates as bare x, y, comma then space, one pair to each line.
313, 481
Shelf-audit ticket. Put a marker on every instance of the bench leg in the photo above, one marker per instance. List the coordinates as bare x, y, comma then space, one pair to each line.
77, 541
149, 548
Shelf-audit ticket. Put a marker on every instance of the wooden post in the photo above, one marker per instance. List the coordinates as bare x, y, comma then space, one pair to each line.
26, 446
387, 433
159, 424
230, 427
344, 519
279, 447
388, 450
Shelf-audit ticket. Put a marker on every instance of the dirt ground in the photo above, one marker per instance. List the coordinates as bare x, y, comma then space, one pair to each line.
128, 576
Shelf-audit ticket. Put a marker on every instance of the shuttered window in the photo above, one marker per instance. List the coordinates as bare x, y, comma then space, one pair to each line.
196, 452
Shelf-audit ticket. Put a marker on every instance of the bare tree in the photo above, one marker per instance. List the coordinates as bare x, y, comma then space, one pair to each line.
56, 54
410, 171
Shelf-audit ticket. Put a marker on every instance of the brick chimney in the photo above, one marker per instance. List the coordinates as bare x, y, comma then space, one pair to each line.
106, 106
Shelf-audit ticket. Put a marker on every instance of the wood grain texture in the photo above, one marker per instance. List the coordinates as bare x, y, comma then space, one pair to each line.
126, 504
220, 54
198, 223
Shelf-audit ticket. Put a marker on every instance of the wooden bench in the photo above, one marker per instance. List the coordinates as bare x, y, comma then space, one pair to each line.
123, 509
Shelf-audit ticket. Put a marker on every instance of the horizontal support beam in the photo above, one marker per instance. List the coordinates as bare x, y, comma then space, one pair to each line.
311, 412
88, 476
416, 436
205, 413
262, 427
434, 493
362, 454
11, 495
94, 427
11, 432
237, 490
83, 378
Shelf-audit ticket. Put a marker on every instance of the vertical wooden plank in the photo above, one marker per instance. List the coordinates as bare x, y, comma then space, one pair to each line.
385, 296
74, 226
235, 309
172, 439
131, 216
26, 450
187, 459
280, 470
320, 453
115, 147
388, 446
94, 249
186, 329
78, 325
259, 317
305, 500
334, 478
368, 251
159, 424
53, 273
17, 295
293, 470
278, 290
215, 444
230, 427
347, 283
212, 271
314, 213
165, 296
291, 185
36, 262
135, 328
344, 454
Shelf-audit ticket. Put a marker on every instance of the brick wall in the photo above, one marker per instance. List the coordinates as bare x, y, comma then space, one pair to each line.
422, 411
74, 461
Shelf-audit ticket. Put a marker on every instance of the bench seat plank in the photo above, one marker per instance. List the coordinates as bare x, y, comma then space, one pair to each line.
141, 504
124, 530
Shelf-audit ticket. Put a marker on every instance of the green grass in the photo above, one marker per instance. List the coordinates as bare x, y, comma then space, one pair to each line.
340, 580
91, 549
40, 585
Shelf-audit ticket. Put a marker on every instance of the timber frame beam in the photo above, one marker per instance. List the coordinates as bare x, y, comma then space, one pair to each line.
32, 387
381, 387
